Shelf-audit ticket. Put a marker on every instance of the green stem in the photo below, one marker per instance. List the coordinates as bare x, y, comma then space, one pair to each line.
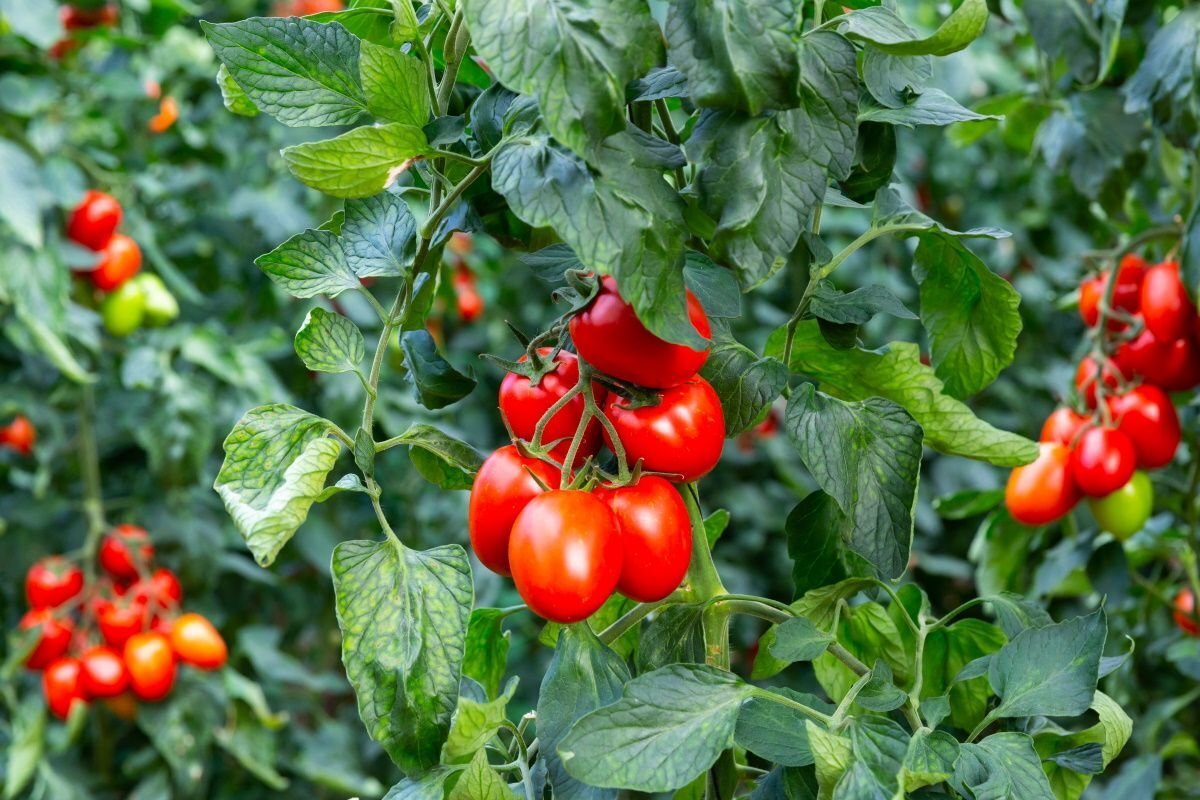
454, 51
849, 659
632, 617
443, 208
89, 464
703, 583
783, 700
753, 608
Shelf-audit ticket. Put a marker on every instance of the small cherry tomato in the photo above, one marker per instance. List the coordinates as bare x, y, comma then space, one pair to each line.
681, 436
151, 663
198, 643
160, 305
104, 672
656, 537
160, 591
62, 684
1102, 461
126, 552
1173, 366
1088, 374
94, 221
120, 260
1126, 294
1044, 491
609, 336
1124, 512
168, 112
1063, 425
74, 18
19, 434
523, 404
502, 488
565, 554
1166, 308
54, 640
124, 310
1145, 414
52, 581
1185, 612
119, 622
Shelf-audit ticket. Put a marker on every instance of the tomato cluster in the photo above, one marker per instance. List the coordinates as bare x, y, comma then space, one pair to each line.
466, 292
79, 18
119, 638
130, 300
19, 435
568, 549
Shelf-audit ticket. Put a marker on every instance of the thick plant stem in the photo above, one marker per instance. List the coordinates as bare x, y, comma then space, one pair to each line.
704, 583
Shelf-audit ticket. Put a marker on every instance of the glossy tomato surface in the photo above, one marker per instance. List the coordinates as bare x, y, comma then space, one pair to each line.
160, 591
1146, 415
52, 581
502, 488
104, 672
1166, 308
62, 684
1043, 491
565, 555
609, 336
1102, 461
120, 260
681, 436
656, 537
126, 550
1089, 374
94, 221
53, 640
523, 404
119, 622
1124, 512
1126, 294
1063, 425
197, 642
1171, 365
151, 664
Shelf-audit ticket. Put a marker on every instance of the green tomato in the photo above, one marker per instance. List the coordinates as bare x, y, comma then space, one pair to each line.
124, 310
161, 306
1125, 511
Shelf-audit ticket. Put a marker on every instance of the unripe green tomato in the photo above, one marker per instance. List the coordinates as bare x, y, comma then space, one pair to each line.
161, 306
124, 310
1125, 511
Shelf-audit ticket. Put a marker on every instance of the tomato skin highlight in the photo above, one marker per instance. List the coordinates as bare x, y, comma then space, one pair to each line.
1102, 461
1043, 491
609, 336
1166, 308
197, 642
1124, 512
94, 221
104, 672
54, 641
682, 436
1185, 611
656, 537
151, 663
523, 404
565, 554
1146, 415
502, 489
120, 260
62, 684
124, 550
1062, 426
19, 434
119, 623
51, 582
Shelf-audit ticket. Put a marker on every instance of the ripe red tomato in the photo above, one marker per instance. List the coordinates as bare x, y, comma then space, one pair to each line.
1102, 461
609, 336
104, 672
470, 304
160, 591
79, 18
523, 404
119, 622
683, 435
1145, 414
1088, 374
1171, 365
151, 663
52, 581
19, 434
502, 489
656, 537
1063, 425
565, 553
1126, 294
1044, 491
94, 221
62, 684
198, 643
1185, 612
54, 640
1166, 307
126, 551
120, 260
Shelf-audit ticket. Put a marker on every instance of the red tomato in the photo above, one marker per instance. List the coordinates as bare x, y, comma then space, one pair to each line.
160, 591
119, 622
502, 489
656, 537
683, 435
1088, 373
1185, 612
1145, 414
19, 434
609, 336
79, 18
51, 582
168, 112
1044, 491
54, 640
1062, 426
151, 664
94, 221
470, 305
1102, 461
1126, 294
119, 261
1166, 307
62, 683
198, 643
126, 551
1172, 366
565, 553
104, 673
523, 404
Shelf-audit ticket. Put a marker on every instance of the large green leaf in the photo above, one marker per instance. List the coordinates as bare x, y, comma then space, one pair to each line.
436, 382
21, 198
328, 342
776, 731
379, 235
746, 384
395, 85
931, 107
310, 263
486, 654
947, 651
1004, 766
1050, 671
403, 615
481, 782
360, 163
881, 27
1165, 82
474, 724
1108, 735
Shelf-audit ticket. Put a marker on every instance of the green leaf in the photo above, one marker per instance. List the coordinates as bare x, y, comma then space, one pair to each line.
856, 307
379, 235
26, 744
868, 633
234, 96
443, 460
931, 107
896, 373
328, 342
584, 675
880, 746
967, 503
867, 456
436, 383
486, 653
746, 384
880, 693
475, 724
1050, 671
716, 287
814, 543
947, 651
714, 525
300, 72
930, 759
360, 163
36, 22
832, 755
1065, 28
276, 460
799, 640
1003, 766
395, 85
430, 786
1070, 760
481, 782
881, 27
671, 725
403, 616
310, 263
673, 635
575, 57
21, 204
775, 731
1165, 82
892, 79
